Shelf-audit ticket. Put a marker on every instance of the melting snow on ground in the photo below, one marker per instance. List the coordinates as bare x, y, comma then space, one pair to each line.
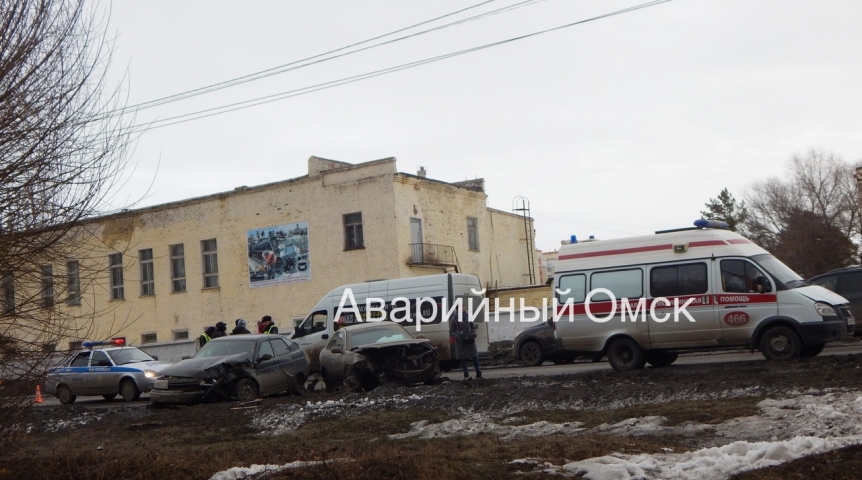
472, 423
791, 428
255, 470
287, 418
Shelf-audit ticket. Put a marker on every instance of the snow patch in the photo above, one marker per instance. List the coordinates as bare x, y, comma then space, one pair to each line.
472, 423
705, 464
254, 470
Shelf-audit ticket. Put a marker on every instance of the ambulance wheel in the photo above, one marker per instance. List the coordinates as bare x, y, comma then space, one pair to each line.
780, 343
64, 395
531, 354
661, 359
109, 396
626, 354
812, 351
129, 391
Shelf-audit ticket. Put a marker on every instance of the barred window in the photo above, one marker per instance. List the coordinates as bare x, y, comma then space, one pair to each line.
149, 338
178, 268
47, 286
8, 284
145, 258
73, 282
210, 259
116, 263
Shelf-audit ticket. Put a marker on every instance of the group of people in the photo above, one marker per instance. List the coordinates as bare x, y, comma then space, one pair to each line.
264, 326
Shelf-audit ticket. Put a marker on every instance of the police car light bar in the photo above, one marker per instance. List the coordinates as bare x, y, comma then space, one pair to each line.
117, 342
702, 223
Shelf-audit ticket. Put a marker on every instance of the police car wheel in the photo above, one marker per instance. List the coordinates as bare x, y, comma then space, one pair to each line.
626, 354
780, 343
245, 390
109, 396
64, 395
531, 354
129, 391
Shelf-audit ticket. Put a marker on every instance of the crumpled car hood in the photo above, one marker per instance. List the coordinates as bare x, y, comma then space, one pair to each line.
380, 346
202, 367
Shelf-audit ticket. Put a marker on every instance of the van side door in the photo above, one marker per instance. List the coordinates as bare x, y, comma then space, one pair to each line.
741, 302
312, 335
679, 284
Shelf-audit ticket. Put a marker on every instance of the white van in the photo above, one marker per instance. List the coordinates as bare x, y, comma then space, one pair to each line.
741, 297
313, 333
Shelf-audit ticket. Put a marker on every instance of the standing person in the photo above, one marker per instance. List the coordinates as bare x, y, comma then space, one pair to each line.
267, 327
206, 336
240, 328
221, 330
462, 338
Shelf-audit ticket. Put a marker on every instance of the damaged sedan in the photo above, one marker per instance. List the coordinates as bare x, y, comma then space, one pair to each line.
242, 367
365, 355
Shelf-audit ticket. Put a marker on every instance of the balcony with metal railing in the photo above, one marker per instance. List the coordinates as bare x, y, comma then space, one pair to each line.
429, 254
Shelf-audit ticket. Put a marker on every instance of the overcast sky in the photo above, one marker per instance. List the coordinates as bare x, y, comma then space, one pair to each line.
615, 127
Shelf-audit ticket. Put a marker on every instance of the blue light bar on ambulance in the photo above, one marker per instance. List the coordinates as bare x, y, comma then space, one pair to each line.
117, 342
702, 223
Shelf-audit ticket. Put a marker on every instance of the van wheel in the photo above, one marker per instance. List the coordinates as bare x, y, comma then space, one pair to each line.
531, 354
811, 351
661, 359
780, 343
626, 354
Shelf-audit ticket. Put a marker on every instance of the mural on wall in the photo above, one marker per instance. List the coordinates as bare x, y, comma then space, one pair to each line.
278, 255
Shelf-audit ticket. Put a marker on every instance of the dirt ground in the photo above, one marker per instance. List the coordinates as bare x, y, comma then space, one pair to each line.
494, 428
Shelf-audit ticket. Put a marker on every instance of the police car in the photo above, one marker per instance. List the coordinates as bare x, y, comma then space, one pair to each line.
104, 368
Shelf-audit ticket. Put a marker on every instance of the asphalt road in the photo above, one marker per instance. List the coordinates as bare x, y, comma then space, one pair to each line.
691, 359
502, 372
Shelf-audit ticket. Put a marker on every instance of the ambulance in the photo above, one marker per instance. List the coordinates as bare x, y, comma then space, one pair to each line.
701, 288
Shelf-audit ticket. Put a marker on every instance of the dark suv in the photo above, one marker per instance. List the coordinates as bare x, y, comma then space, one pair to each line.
846, 282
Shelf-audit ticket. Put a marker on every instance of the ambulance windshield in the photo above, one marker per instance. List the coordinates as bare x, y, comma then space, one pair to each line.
779, 271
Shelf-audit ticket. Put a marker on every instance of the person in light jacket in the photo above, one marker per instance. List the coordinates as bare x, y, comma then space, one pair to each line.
462, 338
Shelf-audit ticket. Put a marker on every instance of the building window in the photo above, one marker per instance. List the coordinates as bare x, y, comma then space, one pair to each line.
75, 345
178, 268
208, 248
149, 338
8, 284
473, 233
181, 334
49, 347
73, 282
353, 231
47, 286
116, 262
145, 258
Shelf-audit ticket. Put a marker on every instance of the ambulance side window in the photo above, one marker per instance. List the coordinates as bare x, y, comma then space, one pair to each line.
576, 286
678, 280
740, 276
622, 283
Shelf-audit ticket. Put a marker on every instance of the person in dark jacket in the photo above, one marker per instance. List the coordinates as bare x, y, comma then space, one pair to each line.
240, 328
206, 336
267, 327
462, 338
221, 330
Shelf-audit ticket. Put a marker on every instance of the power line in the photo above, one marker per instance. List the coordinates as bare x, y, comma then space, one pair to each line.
299, 63
346, 80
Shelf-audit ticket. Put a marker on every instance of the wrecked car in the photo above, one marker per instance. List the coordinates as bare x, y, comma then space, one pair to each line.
365, 355
242, 367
